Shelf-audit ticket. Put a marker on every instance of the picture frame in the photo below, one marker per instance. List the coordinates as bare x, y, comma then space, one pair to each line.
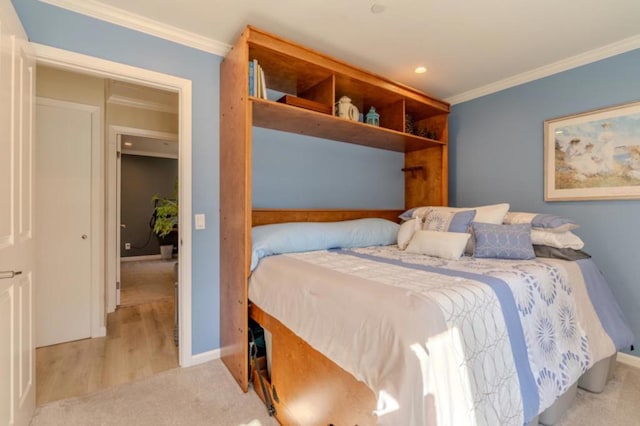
593, 155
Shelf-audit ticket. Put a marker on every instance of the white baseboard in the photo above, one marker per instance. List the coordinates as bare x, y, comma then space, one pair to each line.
138, 258
201, 358
99, 332
630, 360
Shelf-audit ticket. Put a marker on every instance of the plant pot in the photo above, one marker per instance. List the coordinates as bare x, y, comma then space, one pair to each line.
166, 252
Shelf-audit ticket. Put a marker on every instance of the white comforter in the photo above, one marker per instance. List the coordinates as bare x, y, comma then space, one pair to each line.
440, 347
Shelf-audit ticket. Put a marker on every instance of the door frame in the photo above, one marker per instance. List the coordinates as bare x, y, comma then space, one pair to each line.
113, 215
98, 327
47, 55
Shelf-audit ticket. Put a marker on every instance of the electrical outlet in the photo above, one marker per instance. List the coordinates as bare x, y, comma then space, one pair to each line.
127, 246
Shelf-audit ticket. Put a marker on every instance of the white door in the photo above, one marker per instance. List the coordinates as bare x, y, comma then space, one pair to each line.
63, 224
118, 213
17, 249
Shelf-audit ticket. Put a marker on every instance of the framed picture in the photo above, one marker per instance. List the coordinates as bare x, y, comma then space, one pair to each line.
594, 155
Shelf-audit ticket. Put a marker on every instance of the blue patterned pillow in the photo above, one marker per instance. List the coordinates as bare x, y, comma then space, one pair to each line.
503, 241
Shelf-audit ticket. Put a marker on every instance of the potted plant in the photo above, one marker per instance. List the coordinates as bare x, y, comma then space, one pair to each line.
165, 223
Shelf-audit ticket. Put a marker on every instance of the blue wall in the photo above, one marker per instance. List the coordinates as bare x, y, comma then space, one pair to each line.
304, 172
350, 172
66, 30
496, 155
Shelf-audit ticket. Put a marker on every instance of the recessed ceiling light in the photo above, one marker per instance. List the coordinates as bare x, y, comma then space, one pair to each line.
128, 144
377, 8
420, 70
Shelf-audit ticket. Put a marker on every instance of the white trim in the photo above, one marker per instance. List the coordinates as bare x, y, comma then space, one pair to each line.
140, 23
141, 258
136, 103
108, 69
604, 52
100, 332
149, 154
630, 360
204, 357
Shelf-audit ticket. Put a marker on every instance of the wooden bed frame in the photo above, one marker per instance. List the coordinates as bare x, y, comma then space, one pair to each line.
307, 387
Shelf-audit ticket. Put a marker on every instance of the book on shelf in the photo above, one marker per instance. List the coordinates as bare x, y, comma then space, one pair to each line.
251, 78
256, 71
257, 81
263, 84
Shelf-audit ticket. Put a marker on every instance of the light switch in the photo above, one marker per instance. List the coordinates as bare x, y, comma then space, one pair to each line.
200, 222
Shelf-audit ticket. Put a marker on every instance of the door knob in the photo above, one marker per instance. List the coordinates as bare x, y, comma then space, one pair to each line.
9, 274
84, 236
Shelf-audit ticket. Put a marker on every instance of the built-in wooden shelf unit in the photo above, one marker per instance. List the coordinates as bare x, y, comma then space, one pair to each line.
292, 69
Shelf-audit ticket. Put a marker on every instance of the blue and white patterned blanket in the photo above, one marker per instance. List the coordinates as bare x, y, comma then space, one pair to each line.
508, 337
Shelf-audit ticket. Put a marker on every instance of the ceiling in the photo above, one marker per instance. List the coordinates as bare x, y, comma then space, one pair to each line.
467, 46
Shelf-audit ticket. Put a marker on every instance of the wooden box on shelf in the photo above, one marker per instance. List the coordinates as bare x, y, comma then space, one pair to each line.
305, 103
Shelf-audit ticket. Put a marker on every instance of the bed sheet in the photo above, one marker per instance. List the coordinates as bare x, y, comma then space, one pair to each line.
471, 341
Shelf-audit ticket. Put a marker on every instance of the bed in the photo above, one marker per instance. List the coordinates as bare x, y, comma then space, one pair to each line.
363, 332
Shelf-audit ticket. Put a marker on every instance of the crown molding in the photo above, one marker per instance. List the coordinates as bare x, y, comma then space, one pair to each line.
141, 104
139, 23
594, 55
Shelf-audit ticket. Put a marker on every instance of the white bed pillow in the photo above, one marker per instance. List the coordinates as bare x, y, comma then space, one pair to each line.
406, 231
448, 245
565, 239
493, 213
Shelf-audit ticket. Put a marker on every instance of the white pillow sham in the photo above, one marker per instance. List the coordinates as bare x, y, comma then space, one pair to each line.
447, 245
541, 221
493, 213
565, 239
406, 231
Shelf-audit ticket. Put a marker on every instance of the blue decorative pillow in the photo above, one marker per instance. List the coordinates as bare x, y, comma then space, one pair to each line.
503, 241
309, 236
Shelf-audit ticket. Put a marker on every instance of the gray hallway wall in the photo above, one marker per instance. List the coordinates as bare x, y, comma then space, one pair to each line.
142, 178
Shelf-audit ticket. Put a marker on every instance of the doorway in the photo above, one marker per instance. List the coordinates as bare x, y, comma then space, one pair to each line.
146, 173
96, 67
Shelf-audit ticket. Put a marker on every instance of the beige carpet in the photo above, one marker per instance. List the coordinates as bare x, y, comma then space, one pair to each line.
202, 395
146, 281
208, 395
618, 405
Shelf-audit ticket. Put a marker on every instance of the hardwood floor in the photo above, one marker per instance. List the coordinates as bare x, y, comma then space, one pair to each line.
139, 344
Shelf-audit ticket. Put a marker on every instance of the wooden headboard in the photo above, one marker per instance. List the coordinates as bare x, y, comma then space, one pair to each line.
267, 216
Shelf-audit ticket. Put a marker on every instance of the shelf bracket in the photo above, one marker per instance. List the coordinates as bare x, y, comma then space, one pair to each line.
414, 171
